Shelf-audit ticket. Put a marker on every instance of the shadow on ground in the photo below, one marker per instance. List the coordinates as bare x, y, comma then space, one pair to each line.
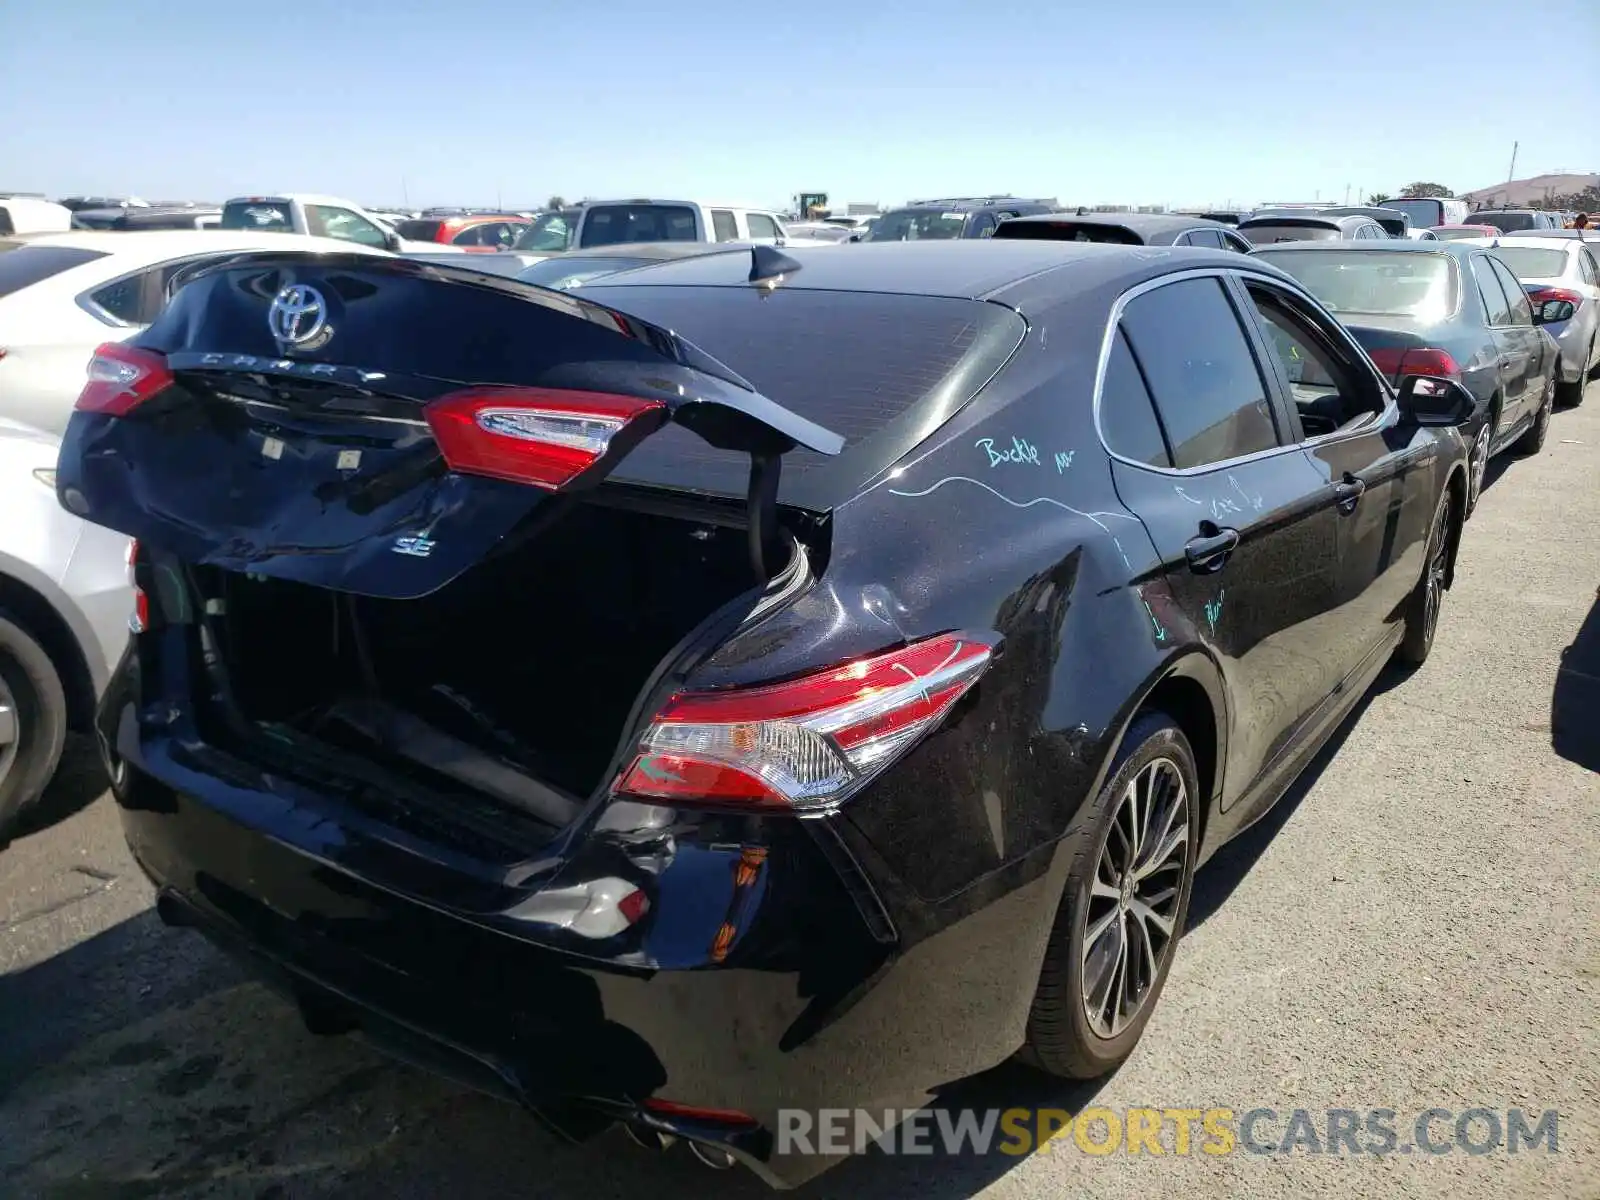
79, 781
1575, 703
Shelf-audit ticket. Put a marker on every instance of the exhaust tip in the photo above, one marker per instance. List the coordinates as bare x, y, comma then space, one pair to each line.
713, 1156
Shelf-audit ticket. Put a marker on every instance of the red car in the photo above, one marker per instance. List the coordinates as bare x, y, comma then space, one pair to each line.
481, 234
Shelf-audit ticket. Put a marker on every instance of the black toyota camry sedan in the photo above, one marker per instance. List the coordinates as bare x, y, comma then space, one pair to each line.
777, 680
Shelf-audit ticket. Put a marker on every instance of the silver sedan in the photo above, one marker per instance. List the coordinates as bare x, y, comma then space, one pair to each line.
1561, 271
65, 601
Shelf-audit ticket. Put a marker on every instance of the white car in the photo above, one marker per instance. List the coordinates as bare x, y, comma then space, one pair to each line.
65, 601
25, 214
1559, 274
63, 294
312, 215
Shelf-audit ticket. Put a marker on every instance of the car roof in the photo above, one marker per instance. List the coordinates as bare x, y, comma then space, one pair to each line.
587, 204
1545, 243
960, 268
1591, 235
1142, 223
1326, 220
1460, 247
288, 197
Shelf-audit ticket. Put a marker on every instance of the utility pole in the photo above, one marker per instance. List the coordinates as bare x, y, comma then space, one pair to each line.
1511, 171
1347, 195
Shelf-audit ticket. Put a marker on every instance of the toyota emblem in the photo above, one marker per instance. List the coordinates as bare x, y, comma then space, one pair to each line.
298, 317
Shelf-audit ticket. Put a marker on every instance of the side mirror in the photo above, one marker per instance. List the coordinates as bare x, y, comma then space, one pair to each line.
1552, 311
854, 237
1428, 400
392, 243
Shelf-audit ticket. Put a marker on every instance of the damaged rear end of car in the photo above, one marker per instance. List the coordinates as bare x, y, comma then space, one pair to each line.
412, 719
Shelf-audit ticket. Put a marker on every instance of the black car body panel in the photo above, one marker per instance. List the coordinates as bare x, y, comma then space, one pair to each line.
879, 948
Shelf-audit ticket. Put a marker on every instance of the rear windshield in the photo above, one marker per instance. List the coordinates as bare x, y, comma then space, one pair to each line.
1506, 221
1423, 211
619, 224
1533, 262
917, 225
550, 232
1067, 231
258, 216
883, 354
571, 272
419, 230
1471, 231
23, 265
1420, 286
1268, 232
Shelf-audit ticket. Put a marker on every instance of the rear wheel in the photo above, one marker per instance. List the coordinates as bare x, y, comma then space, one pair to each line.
33, 721
1123, 908
1478, 459
1422, 610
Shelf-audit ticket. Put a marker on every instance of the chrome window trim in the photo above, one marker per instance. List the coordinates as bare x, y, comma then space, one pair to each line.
1222, 274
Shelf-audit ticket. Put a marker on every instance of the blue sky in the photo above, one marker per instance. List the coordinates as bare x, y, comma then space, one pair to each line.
467, 102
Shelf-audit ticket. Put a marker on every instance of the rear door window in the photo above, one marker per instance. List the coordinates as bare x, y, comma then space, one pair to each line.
762, 227
23, 265
1208, 390
1127, 414
1521, 309
1495, 303
723, 226
1209, 238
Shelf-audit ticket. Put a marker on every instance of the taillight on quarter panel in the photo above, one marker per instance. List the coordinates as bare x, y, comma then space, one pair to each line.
121, 378
1396, 362
807, 743
546, 437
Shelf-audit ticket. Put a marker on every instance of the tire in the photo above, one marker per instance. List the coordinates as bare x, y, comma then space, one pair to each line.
1532, 441
1063, 1039
1478, 457
1422, 609
32, 738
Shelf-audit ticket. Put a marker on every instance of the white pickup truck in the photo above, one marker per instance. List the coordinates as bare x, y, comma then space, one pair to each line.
600, 223
321, 216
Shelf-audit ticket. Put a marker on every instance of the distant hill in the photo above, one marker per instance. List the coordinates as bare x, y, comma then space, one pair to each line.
1529, 191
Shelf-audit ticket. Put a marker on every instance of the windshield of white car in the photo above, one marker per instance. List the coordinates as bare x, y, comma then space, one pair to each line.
22, 265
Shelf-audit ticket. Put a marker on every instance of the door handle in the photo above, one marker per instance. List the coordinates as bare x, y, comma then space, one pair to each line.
1208, 553
1348, 491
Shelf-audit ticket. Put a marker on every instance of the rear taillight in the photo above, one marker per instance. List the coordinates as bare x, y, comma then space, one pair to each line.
1543, 295
546, 437
808, 743
1396, 362
121, 378
139, 621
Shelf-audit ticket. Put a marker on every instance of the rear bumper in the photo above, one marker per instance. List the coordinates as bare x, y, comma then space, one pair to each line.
807, 1007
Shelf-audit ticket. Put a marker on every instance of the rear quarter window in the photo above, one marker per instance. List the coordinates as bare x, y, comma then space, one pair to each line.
22, 265
853, 362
